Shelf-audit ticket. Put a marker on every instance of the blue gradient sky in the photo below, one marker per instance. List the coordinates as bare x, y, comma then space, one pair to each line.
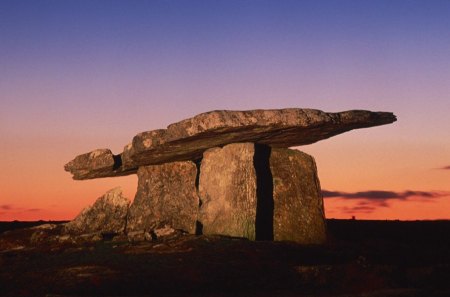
80, 75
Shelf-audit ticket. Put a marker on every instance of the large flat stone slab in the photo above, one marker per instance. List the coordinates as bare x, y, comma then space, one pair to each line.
188, 139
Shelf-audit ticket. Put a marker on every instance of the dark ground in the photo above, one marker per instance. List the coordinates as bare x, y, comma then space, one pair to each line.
361, 258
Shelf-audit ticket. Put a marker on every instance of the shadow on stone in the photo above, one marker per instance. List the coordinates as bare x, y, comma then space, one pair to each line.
198, 228
198, 224
117, 161
264, 193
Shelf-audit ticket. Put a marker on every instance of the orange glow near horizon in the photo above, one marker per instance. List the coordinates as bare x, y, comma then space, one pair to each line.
345, 164
437, 209
55, 196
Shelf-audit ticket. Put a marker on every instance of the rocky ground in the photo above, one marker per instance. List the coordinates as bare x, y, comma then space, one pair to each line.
361, 258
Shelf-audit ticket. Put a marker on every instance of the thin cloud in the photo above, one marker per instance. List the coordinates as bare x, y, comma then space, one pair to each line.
6, 206
381, 195
33, 209
369, 201
357, 209
372, 203
445, 168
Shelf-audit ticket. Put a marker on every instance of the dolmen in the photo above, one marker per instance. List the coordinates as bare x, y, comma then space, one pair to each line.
226, 173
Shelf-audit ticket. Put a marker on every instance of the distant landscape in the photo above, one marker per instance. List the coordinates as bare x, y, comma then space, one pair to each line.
13, 225
428, 231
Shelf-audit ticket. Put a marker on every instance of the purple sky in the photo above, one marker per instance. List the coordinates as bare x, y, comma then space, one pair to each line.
80, 75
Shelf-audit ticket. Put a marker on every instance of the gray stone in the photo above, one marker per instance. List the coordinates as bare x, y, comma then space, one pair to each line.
141, 235
253, 191
227, 189
298, 213
107, 215
166, 195
100, 163
95, 163
188, 139
164, 231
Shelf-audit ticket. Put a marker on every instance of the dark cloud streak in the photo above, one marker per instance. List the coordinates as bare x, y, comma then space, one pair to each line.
357, 209
369, 201
33, 209
380, 195
13, 209
6, 207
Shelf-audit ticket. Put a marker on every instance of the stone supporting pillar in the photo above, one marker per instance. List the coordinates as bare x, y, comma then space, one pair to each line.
298, 204
166, 195
242, 190
253, 191
228, 191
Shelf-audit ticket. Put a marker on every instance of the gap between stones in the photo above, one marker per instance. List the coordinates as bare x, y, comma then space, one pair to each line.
264, 193
198, 224
117, 162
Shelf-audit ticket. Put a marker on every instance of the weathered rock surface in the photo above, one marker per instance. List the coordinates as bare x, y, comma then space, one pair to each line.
99, 163
298, 213
227, 188
166, 195
253, 191
107, 215
188, 139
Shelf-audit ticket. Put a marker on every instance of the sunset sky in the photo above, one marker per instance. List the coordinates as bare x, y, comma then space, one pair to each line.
81, 75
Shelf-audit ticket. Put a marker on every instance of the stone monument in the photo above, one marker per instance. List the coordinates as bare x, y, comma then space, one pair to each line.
229, 173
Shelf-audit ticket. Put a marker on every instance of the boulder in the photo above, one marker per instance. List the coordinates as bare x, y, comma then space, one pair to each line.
166, 196
99, 163
227, 189
107, 215
298, 213
188, 139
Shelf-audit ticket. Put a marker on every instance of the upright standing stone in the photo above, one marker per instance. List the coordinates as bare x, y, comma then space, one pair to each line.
166, 195
254, 191
298, 203
228, 191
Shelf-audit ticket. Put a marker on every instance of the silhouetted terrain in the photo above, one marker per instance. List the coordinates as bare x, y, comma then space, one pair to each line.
415, 232
6, 226
362, 258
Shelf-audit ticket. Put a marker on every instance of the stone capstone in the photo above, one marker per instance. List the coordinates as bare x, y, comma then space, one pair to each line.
188, 139
166, 195
107, 215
